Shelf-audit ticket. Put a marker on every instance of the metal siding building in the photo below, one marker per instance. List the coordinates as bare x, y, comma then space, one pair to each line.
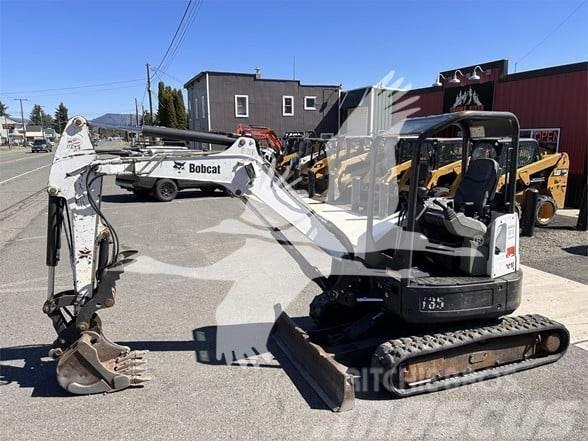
218, 90
549, 98
366, 110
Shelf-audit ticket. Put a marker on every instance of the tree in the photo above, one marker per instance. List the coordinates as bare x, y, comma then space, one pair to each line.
39, 117
60, 118
3, 108
166, 110
181, 116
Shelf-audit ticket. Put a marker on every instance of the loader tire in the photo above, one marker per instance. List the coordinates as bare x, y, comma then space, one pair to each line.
545, 212
165, 190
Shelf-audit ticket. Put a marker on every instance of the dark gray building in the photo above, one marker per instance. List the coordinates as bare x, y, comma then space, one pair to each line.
219, 101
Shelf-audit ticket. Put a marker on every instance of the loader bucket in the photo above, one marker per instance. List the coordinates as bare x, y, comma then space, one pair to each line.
93, 364
332, 381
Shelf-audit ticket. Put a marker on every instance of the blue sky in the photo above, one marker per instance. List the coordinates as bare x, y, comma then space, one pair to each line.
60, 44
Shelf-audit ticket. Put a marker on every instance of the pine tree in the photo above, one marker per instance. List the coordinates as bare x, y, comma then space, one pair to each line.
36, 116
161, 113
39, 117
181, 116
3, 109
171, 108
166, 114
60, 118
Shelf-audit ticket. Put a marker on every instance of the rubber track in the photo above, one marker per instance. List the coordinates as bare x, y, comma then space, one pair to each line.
391, 355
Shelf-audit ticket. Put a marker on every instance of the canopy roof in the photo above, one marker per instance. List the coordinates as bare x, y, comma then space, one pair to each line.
481, 124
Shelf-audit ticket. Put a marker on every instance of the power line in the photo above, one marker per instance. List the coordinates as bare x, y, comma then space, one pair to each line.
190, 22
73, 87
168, 75
550, 34
86, 92
175, 34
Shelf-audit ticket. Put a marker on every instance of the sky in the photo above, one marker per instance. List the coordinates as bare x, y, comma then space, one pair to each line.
65, 45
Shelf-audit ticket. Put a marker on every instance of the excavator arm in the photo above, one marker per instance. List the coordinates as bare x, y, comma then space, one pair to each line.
88, 361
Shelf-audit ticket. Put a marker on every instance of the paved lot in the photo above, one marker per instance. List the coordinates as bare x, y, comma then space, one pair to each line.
206, 262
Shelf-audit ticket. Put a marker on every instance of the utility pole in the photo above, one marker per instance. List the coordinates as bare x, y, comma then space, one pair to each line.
42, 121
149, 92
137, 112
24, 127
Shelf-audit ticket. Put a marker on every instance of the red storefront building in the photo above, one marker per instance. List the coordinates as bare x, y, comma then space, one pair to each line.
551, 105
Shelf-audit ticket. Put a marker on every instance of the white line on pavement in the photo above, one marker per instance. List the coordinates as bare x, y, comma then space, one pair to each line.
11, 161
23, 174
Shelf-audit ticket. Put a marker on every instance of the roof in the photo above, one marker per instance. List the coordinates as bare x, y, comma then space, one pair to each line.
494, 124
545, 71
254, 77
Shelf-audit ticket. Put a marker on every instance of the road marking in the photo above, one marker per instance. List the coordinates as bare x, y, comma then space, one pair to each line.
11, 161
24, 174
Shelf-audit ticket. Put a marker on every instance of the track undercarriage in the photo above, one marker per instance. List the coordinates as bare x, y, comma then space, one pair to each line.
409, 360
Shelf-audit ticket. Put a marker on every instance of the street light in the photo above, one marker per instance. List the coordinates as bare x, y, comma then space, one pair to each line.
474, 76
456, 80
438, 83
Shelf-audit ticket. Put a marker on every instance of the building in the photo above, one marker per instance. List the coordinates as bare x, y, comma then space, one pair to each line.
10, 131
551, 105
366, 110
219, 101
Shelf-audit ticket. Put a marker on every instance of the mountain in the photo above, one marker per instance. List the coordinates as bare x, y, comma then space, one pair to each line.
115, 119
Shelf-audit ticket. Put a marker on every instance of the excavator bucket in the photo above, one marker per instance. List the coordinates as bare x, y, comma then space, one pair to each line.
93, 364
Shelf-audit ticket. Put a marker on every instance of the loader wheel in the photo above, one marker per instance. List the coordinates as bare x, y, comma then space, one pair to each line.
546, 209
165, 190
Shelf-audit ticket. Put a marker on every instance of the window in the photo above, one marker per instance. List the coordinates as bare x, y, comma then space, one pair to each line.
310, 103
241, 106
203, 108
195, 108
287, 106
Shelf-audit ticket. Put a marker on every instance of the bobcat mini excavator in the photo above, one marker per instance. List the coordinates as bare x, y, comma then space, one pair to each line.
446, 271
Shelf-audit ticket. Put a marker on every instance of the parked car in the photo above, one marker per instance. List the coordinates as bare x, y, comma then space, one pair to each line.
41, 145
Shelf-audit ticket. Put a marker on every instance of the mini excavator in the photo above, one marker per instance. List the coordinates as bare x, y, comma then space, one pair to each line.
445, 270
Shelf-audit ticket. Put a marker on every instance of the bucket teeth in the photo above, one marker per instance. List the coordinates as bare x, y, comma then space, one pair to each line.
93, 364
139, 379
132, 355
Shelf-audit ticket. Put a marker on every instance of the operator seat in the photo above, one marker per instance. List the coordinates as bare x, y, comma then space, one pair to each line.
477, 187
476, 190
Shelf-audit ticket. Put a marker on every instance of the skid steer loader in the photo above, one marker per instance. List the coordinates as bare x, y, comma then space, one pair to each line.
544, 171
444, 271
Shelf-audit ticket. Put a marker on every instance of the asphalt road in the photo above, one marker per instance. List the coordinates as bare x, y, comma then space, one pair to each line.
204, 285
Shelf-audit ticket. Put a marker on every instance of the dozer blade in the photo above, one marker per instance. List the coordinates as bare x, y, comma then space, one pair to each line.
93, 364
328, 378
427, 363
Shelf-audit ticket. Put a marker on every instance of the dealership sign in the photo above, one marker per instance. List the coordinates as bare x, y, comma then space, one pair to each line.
471, 97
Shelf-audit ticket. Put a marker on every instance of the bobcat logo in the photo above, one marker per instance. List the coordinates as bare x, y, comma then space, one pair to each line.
179, 166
